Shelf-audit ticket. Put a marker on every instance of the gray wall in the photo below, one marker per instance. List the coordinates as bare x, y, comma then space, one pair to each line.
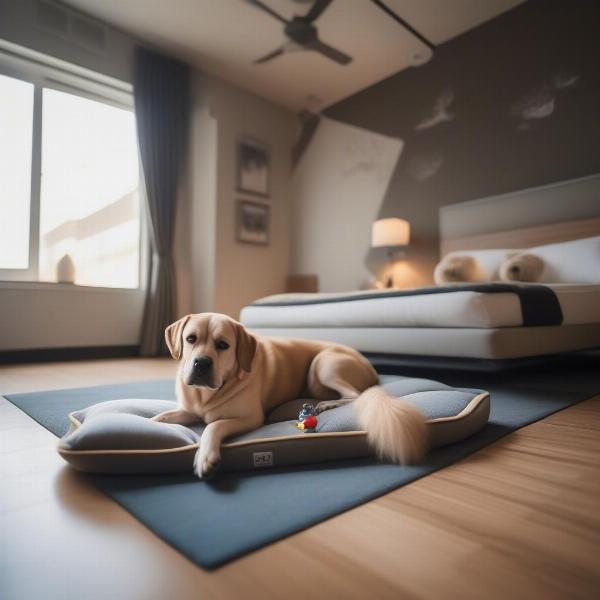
521, 104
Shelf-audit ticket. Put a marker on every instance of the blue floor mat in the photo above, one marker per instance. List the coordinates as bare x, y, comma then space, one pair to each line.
217, 521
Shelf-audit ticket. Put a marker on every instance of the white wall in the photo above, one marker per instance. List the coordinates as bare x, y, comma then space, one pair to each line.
228, 274
337, 187
245, 272
57, 316
201, 229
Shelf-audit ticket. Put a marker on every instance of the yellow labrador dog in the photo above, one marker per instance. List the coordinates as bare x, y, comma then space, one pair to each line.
231, 378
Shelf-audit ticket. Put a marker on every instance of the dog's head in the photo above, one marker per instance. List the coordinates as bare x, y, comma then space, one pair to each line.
213, 348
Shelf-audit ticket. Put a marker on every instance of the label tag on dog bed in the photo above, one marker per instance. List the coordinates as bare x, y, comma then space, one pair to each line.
262, 459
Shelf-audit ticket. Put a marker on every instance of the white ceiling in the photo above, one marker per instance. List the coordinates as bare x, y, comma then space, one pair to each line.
223, 37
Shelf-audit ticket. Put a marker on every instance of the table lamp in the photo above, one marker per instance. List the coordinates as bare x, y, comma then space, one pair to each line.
393, 234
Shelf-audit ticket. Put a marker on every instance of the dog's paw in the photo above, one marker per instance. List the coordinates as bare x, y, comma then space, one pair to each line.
329, 404
176, 416
206, 464
161, 418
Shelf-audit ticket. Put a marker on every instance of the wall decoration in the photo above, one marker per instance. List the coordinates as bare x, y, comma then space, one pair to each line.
252, 225
253, 167
365, 155
439, 113
541, 102
536, 105
422, 168
563, 80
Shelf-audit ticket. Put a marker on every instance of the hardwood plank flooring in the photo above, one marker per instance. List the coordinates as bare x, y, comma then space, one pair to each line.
519, 519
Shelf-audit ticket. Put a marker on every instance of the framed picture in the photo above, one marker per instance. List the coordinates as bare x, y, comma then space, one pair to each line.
252, 222
253, 167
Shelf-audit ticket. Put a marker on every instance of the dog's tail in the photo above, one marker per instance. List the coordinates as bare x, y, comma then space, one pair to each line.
396, 430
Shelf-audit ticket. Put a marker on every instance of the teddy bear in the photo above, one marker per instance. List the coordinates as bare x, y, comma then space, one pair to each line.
522, 266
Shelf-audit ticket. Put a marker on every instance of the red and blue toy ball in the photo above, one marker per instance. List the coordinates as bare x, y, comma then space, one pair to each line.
307, 418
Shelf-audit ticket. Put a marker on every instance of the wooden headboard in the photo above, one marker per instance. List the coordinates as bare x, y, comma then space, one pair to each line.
543, 215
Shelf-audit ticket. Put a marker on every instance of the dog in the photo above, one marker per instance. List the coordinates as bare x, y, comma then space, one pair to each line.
230, 378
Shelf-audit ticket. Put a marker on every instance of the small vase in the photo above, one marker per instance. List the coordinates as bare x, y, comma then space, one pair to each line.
65, 270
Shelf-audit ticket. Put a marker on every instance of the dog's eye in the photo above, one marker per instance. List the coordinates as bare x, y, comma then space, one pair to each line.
222, 345
191, 339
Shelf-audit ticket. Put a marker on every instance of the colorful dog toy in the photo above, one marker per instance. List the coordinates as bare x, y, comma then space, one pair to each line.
307, 418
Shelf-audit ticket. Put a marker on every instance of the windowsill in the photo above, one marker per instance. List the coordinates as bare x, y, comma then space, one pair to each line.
64, 287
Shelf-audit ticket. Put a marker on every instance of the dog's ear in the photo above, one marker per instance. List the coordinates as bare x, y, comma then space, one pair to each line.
173, 336
246, 347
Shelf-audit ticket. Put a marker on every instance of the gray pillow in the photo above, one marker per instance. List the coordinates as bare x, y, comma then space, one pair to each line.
118, 436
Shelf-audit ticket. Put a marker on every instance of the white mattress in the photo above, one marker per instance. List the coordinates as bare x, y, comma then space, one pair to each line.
468, 342
465, 309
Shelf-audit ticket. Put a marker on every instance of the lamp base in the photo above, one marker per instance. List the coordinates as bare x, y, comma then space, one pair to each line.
398, 273
394, 256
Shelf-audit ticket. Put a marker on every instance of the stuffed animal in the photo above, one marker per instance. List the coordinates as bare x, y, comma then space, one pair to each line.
455, 268
522, 267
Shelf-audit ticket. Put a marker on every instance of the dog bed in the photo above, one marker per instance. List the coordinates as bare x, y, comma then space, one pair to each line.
119, 437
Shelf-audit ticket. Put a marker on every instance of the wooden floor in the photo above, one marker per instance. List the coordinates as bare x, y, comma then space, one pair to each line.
519, 519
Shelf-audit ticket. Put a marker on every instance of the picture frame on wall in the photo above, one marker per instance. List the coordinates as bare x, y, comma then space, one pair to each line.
253, 222
253, 167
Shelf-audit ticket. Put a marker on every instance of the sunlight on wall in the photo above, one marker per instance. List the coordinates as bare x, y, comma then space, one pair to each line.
338, 186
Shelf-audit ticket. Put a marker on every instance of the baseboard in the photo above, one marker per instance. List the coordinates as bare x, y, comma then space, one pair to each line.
11, 357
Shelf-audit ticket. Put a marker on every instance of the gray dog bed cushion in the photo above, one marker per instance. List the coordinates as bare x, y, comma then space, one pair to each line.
119, 437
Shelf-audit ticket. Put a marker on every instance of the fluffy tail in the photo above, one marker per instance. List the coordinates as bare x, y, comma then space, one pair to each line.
395, 429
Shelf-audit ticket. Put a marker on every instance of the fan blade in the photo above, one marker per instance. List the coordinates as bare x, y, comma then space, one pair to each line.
267, 9
336, 55
270, 56
316, 10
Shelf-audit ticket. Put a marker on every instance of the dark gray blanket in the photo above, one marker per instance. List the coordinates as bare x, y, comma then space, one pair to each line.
217, 521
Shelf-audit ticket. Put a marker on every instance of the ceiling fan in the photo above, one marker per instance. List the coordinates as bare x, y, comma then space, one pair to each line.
302, 33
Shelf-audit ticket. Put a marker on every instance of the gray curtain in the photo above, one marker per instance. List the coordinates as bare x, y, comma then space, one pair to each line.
162, 109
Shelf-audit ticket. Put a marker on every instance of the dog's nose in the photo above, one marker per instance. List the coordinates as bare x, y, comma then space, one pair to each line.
202, 364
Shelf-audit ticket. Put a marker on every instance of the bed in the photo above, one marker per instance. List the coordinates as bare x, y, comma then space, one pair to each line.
486, 326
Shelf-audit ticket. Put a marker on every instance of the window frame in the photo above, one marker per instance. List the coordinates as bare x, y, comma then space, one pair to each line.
46, 72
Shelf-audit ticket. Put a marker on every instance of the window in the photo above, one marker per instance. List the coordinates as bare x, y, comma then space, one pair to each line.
69, 181
89, 206
16, 125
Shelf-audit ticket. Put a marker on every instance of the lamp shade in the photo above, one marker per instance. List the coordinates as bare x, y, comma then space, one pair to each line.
390, 232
